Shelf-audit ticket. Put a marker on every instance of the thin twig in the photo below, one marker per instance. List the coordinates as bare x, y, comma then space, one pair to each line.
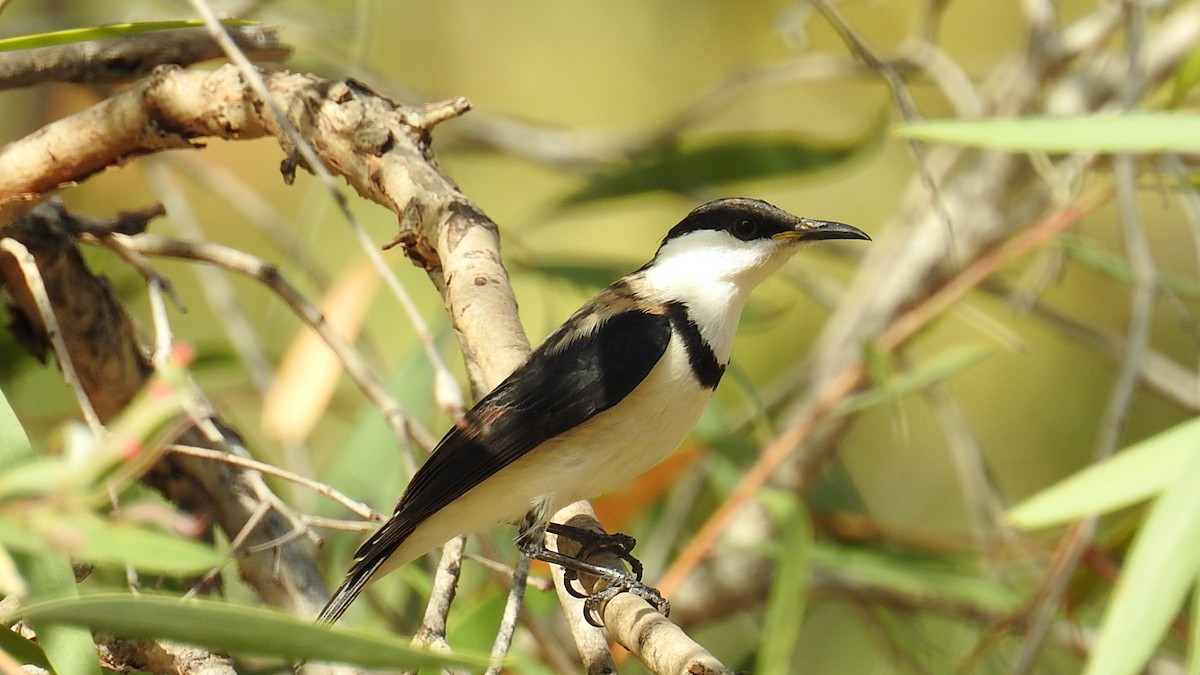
1190, 198
235, 546
229, 186
162, 326
357, 507
157, 287
33, 278
508, 620
226, 304
979, 495
446, 390
1160, 372
403, 426
903, 99
432, 633
340, 524
200, 411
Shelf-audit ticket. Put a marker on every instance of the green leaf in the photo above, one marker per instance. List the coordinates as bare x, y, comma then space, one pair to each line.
128, 449
917, 378
106, 31
1135, 474
675, 169
32, 478
86, 536
1187, 74
1161, 567
21, 650
236, 629
14, 444
69, 649
587, 274
926, 580
1131, 132
784, 616
1113, 266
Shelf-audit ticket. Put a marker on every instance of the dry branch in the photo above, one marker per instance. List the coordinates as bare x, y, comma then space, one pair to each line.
126, 58
380, 148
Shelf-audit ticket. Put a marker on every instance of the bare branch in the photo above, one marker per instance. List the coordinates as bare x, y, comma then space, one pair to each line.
129, 57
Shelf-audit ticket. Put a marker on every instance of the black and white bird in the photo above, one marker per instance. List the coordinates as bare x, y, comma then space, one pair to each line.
608, 395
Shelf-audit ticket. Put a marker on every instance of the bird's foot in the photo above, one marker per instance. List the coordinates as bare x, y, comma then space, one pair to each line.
594, 602
613, 580
592, 542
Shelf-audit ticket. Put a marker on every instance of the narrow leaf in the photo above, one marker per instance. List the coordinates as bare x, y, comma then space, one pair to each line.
1135, 474
85, 536
32, 478
1161, 567
1128, 132
1113, 266
1187, 75
674, 169
236, 629
923, 375
926, 580
14, 444
784, 616
23, 651
68, 648
106, 31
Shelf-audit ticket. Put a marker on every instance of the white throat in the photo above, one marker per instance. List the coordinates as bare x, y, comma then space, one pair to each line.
713, 273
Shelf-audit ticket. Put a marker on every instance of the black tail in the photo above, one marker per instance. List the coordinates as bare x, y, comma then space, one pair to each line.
356, 580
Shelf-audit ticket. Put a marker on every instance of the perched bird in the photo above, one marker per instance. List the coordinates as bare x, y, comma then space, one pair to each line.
608, 395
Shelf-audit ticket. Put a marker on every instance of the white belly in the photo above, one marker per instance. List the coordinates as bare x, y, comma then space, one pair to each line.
604, 453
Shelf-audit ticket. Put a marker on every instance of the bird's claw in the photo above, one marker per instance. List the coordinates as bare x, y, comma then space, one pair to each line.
592, 542
620, 545
593, 603
569, 579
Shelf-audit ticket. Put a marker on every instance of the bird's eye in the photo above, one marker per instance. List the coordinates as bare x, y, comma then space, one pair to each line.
744, 229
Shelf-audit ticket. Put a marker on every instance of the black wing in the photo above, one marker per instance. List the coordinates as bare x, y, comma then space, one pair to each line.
566, 381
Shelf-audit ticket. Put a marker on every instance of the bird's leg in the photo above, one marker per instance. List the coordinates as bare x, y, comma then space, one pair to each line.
532, 542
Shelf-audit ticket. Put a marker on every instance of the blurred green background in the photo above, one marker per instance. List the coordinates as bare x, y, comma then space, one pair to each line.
609, 73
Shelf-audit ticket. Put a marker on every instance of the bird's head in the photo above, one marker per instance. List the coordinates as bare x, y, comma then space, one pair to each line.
739, 241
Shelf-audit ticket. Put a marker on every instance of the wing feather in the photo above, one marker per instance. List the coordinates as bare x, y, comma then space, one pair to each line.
584, 368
